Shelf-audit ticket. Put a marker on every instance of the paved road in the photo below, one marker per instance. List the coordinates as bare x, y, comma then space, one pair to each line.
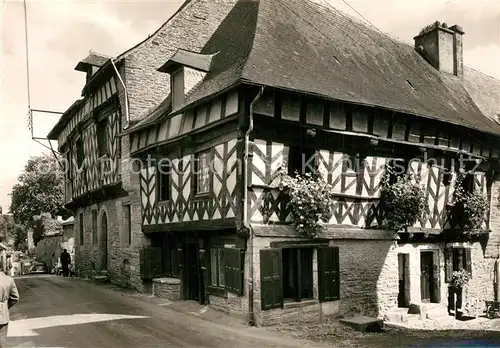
59, 312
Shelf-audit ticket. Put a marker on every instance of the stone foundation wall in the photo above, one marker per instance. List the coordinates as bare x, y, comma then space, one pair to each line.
168, 288
366, 283
232, 305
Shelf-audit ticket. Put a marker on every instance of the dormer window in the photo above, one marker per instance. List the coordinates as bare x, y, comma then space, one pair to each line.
186, 69
177, 84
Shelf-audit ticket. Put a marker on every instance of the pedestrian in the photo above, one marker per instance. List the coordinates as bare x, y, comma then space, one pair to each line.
9, 296
65, 262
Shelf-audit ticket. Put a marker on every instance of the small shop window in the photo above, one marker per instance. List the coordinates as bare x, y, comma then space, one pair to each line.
297, 274
457, 259
217, 271
171, 258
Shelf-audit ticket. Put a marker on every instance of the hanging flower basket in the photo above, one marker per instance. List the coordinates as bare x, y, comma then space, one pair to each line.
403, 201
310, 202
470, 209
460, 279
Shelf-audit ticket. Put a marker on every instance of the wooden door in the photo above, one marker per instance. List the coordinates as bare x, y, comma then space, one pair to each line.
404, 280
104, 242
426, 275
192, 270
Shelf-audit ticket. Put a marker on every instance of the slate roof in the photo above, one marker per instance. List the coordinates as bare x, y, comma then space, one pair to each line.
304, 47
485, 90
94, 59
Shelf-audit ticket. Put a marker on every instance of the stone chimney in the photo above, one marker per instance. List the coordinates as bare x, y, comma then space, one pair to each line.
442, 47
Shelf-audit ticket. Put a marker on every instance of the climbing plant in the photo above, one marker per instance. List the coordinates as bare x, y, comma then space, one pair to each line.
403, 199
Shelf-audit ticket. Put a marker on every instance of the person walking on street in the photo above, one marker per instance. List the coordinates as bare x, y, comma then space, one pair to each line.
9, 296
65, 262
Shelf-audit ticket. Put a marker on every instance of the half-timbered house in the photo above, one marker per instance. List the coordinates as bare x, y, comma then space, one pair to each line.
100, 185
280, 79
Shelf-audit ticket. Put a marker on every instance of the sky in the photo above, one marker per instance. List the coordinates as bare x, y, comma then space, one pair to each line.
61, 33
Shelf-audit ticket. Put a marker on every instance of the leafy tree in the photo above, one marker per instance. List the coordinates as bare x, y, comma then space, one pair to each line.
6, 228
20, 238
40, 189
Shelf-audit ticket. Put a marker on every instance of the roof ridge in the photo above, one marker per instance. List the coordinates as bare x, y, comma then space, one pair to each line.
330, 7
483, 73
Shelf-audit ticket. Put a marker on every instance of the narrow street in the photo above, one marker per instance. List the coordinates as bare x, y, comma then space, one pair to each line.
70, 313
59, 312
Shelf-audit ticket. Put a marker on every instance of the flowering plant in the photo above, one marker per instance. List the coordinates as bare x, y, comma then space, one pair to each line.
460, 278
403, 201
311, 202
470, 208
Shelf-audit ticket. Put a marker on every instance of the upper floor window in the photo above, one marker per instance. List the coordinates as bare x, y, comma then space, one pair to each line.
202, 172
163, 176
301, 160
102, 137
80, 153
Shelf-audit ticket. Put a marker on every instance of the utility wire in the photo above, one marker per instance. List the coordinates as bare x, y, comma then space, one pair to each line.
27, 53
30, 115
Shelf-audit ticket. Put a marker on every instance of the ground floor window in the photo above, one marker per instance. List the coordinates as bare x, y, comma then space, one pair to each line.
217, 278
297, 274
171, 258
457, 259
287, 274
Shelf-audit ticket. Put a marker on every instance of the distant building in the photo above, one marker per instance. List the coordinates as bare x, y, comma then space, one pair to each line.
50, 247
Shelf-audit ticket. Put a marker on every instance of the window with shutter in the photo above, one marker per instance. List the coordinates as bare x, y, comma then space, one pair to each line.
271, 287
217, 271
234, 270
150, 262
297, 273
448, 259
468, 261
457, 259
328, 274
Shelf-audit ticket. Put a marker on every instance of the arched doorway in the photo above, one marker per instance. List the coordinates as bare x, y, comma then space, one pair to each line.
104, 242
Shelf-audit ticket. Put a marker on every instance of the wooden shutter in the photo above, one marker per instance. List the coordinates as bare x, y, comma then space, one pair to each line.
150, 262
448, 264
271, 287
180, 256
234, 270
468, 260
328, 274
